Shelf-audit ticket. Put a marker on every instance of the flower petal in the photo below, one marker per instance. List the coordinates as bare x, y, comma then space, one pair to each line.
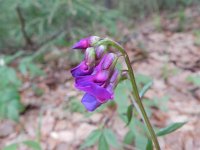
90, 102
86, 42
101, 93
81, 70
82, 44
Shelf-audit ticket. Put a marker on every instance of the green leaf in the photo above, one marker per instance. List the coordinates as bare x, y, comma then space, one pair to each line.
171, 128
140, 141
145, 88
129, 137
142, 80
91, 139
129, 114
111, 138
8, 78
149, 145
138, 129
103, 145
121, 99
12, 111
33, 145
10, 105
11, 147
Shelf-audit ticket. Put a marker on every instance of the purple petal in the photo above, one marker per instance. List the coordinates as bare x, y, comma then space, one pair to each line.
110, 88
101, 76
100, 64
90, 102
86, 42
81, 70
82, 44
108, 61
101, 93
114, 76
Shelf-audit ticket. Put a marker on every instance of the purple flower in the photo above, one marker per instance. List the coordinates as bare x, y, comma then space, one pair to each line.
96, 75
86, 42
98, 85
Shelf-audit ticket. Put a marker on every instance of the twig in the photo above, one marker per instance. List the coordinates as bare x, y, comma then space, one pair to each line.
29, 42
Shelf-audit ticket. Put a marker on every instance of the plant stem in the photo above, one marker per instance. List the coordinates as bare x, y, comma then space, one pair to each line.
135, 91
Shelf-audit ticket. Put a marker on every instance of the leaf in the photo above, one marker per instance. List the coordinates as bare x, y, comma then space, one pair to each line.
91, 139
103, 145
11, 147
33, 145
10, 105
149, 145
140, 141
12, 111
142, 80
121, 99
129, 137
8, 78
171, 128
145, 88
129, 114
111, 138
139, 131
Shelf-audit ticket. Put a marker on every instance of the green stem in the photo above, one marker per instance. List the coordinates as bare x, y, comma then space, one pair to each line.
135, 90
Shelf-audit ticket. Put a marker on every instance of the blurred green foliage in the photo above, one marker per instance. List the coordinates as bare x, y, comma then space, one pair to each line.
32, 145
141, 8
31, 24
194, 79
10, 105
43, 20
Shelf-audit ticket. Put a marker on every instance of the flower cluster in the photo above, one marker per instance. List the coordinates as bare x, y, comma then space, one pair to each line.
96, 74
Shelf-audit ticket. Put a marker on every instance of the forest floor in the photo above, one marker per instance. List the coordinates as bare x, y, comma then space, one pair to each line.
166, 51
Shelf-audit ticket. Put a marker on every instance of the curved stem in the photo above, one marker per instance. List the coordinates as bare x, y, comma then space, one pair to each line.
135, 90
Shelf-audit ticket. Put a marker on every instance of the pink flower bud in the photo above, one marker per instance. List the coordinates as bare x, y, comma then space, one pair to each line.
109, 60
114, 76
86, 42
